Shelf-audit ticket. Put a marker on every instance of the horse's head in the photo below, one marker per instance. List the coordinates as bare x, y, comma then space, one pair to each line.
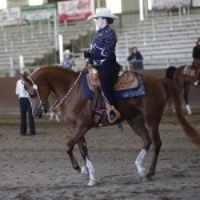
38, 94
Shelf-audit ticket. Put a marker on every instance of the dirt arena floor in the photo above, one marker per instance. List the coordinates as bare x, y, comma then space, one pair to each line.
37, 167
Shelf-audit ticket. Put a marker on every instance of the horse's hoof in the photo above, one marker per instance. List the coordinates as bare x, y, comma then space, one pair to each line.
142, 172
146, 179
92, 182
84, 170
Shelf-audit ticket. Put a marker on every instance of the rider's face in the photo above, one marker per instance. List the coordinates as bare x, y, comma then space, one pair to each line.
100, 22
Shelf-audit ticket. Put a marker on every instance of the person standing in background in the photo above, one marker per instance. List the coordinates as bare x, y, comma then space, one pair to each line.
67, 61
135, 59
25, 107
196, 60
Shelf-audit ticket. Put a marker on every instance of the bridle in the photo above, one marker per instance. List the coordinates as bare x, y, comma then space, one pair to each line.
56, 103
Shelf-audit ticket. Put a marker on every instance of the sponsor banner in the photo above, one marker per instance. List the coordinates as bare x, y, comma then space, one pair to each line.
196, 3
10, 16
169, 4
38, 13
74, 10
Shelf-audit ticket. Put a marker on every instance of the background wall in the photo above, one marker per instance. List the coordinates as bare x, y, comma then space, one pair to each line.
9, 105
130, 5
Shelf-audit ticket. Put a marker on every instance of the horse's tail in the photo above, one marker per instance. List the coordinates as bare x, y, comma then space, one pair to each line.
172, 90
170, 72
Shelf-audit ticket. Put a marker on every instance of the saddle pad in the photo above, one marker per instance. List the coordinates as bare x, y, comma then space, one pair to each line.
120, 94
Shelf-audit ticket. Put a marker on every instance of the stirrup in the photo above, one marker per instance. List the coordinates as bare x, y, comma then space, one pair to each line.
113, 114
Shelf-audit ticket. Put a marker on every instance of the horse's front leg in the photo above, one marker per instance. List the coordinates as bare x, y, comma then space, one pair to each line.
78, 137
185, 97
89, 169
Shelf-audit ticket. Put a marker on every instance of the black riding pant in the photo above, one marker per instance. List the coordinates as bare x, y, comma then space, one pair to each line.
108, 75
25, 107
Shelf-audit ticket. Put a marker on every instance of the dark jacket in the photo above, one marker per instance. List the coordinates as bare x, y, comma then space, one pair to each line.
196, 52
103, 46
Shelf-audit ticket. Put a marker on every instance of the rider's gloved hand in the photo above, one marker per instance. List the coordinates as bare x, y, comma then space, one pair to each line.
87, 54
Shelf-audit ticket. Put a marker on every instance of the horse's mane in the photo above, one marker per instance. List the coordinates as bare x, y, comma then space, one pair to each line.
53, 70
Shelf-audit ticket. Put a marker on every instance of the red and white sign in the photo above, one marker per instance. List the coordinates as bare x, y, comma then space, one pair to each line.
74, 10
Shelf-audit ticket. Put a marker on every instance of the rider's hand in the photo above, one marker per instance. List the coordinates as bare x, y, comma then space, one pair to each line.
87, 54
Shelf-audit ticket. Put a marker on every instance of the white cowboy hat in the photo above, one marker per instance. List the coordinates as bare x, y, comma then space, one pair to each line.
103, 12
67, 52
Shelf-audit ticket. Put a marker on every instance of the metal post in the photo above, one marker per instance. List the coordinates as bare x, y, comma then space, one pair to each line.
153, 27
144, 34
40, 27
32, 35
55, 32
179, 13
188, 12
5, 42
141, 3
49, 28
60, 41
11, 72
21, 63
23, 36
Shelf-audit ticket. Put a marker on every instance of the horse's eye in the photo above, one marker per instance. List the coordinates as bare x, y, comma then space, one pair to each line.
34, 95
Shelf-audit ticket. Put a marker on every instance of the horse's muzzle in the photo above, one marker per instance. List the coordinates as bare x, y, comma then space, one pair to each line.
37, 113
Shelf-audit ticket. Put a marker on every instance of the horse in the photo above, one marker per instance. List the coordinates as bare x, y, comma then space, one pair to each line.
142, 113
183, 77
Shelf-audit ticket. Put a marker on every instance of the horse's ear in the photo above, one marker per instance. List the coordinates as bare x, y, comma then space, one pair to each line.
25, 77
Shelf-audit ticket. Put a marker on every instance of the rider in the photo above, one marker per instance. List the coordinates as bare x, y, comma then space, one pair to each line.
102, 57
196, 56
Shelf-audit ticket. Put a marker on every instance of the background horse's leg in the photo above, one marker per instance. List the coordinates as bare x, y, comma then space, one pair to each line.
89, 167
78, 137
137, 123
185, 97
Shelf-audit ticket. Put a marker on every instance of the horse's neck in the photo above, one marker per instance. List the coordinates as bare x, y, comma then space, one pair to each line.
63, 87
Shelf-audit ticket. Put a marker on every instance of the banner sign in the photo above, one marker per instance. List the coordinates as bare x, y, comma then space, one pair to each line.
196, 3
10, 16
38, 13
74, 10
169, 4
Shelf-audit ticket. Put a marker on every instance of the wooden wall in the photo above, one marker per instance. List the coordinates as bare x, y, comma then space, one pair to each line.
9, 104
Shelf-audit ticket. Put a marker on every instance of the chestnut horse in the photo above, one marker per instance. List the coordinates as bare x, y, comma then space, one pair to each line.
143, 114
183, 77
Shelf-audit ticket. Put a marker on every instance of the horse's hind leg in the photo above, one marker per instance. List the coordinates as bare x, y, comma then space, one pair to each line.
137, 123
150, 135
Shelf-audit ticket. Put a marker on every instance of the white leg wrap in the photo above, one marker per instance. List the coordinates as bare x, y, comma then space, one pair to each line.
51, 116
139, 162
57, 118
188, 109
196, 83
91, 172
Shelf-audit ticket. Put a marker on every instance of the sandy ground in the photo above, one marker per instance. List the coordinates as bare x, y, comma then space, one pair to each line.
37, 167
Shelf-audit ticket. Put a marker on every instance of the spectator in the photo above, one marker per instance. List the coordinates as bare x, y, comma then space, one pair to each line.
67, 61
25, 107
135, 59
196, 61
